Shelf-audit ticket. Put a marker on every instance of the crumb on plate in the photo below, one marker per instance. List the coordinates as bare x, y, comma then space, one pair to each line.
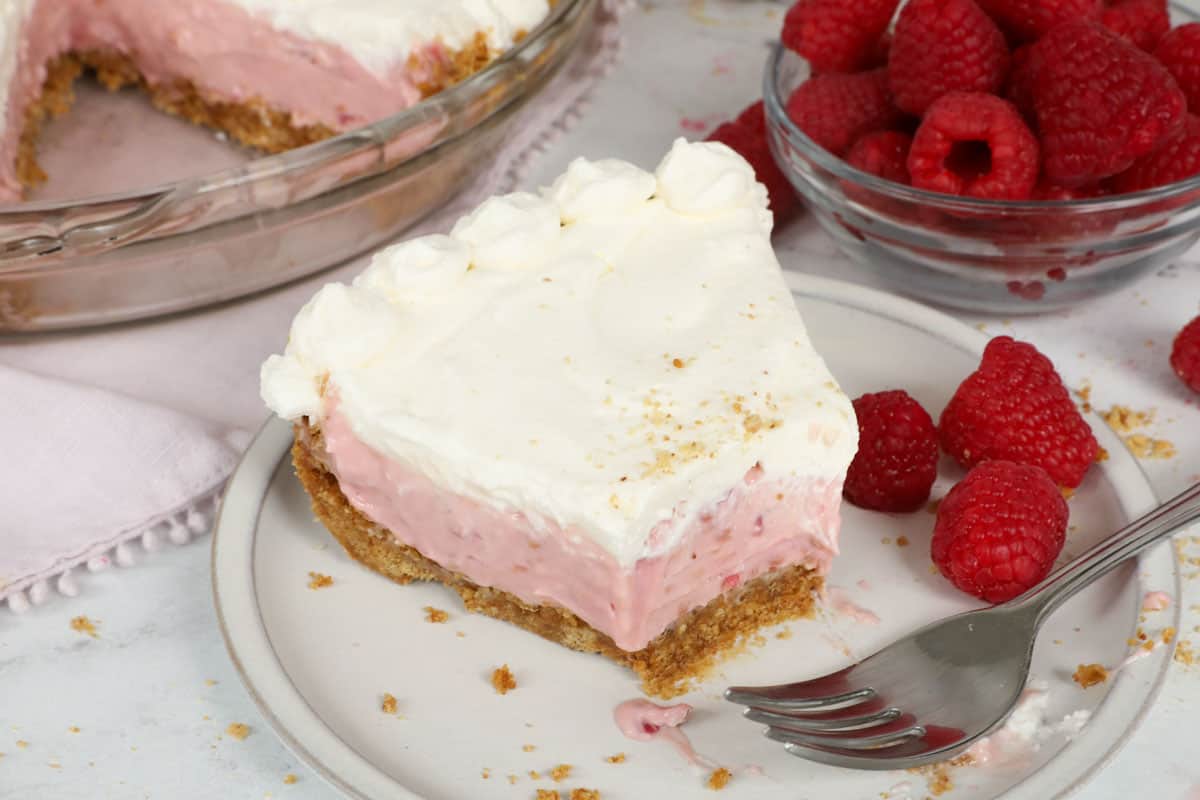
547, 794
290, 778
560, 773
528, 748
901, 541
719, 779
82, 624
502, 680
585, 794
485, 773
1090, 674
435, 615
318, 581
73, 729
238, 730
389, 704
618, 758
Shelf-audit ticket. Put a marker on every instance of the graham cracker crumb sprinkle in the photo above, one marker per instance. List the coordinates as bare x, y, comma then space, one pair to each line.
535, 775
512, 779
290, 778
1143, 446
502, 680
719, 779
1124, 419
547, 794
22, 744
585, 794
435, 615
210, 682
786, 633
389, 704
84, 625
1089, 675
73, 729
618, 758
485, 773
461, 634
238, 730
318, 581
1168, 635
560, 773
1184, 654
932, 506
528, 748
1101, 455
1067, 492
902, 541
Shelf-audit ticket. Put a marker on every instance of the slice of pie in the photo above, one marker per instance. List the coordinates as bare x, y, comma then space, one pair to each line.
593, 412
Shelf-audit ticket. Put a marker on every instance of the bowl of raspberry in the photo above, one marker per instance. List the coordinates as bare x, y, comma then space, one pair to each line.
994, 155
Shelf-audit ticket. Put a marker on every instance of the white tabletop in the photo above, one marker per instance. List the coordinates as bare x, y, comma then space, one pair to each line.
141, 710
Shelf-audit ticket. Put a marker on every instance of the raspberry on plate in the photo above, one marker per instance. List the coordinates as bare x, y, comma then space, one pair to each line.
896, 463
835, 109
942, 46
1029, 20
1143, 22
1185, 355
747, 135
882, 153
1176, 159
1014, 407
999, 530
837, 36
975, 145
1101, 103
1179, 52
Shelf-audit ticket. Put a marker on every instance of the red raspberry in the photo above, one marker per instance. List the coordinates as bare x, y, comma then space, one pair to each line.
1101, 103
1185, 355
942, 46
835, 110
1029, 20
1142, 22
1014, 407
748, 136
1176, 159
882, 153
897, 457
1021, 81
975, 145
1179, 52
999, 530
1046, 191
837, 36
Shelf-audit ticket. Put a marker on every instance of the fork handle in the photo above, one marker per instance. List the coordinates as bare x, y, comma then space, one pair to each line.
1135, 537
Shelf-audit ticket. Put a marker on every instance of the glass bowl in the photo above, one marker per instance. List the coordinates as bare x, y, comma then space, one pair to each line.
274, 219
980, 255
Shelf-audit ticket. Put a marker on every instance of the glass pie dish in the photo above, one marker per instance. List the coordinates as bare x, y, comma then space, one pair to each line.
270, 220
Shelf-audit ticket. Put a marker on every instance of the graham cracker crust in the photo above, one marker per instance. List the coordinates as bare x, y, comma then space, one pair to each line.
253, 122
668, 666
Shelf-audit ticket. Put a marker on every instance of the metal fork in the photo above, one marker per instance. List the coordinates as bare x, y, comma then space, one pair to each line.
931, 695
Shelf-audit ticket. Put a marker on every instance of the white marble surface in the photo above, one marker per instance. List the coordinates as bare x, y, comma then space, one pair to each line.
151, 725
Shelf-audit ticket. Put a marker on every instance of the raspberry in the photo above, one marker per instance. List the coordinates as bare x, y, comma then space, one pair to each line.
1029, 20
835, 110
999, 530
1185, 355
882, 153
1014, 407
1176, 159
748, 136
836, 36
1179, 52
942, 46
1021, 81
897, 457
1101, 103
974, 145
1046, 191
1142, 22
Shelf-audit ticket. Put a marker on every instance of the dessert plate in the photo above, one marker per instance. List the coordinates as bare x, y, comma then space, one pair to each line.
318, 662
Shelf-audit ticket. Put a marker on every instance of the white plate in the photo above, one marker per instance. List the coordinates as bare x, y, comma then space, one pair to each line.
318, 662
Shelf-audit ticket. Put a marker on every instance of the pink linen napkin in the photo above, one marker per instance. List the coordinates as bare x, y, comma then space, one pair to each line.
120, 439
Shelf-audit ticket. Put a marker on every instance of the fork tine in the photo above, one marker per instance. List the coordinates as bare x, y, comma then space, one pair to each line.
825, 686
891, 739
832, 722
756, 699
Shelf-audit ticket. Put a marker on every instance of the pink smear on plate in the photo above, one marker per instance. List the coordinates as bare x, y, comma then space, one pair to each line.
863, 584
644, 721
693, 125
840, 602
1156, 601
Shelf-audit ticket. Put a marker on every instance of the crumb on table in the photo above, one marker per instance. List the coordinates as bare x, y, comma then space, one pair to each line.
502, 680
719, 778
238, 730
318, 581
82, 624
560, 773
585, 794
619, 758
435, 615
1090, 674
389, 704
290, 778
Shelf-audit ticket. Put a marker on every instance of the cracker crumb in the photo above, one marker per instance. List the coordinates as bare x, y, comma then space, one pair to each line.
82, 624
290, 778
1124, 419
512, 779
940, 782
73, 729
461, 634
786, 633
547, 794
560, 773
485, 773
1067, 492
1089, 675
435, 615
1101, 455
318, 581
1184, 654
932, 506
389, 704
901, 541
585, 794
502, 680
535, 775
238, 730
618, 758
1142, 446
22, 744
209, 682
1168, 635
719, 779
886, 540
528, 748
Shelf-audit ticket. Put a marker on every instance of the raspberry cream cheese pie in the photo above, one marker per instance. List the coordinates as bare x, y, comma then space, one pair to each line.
593, 412
275, 74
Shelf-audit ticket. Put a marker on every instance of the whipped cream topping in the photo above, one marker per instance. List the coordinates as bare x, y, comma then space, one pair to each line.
614, 352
